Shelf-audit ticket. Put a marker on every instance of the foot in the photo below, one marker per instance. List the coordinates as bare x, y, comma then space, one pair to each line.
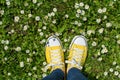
54, 54
78, 53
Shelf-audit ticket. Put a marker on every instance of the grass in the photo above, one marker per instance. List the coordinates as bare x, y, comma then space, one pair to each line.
23, 39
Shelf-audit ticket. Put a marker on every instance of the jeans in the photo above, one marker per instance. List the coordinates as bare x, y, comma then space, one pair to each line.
73, 74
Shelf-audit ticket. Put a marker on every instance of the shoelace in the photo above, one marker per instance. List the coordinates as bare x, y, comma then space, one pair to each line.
77, 54
55, 59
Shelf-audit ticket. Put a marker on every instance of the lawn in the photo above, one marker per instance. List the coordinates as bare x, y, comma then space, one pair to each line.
25, 26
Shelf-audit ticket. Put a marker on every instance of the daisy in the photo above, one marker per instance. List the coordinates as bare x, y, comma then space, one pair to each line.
29, 74
105, 73
108, 24
104, 9
37, 18
16, 18
21, 64
100, 10
98, 20
94, 43
34, 68
66, 15
6, 48
81, 4
18, 49
22, 11
86, 6
54, 9
9, 73
34, 1
101, 30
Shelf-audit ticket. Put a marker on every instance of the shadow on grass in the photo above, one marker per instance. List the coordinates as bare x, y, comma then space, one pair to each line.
89, 76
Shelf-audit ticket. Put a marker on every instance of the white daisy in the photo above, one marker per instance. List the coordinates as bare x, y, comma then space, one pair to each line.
49, 14
101, 30
100, 10
41, 33
104, 9
2, 41
44, 75
5, 47
119, 76
84, 18
29, 74
27, 51
2, 12
26, 4
104, 50
22, 11
55, 9
29, 15
12, 31
65, 40
108, 24
94, 43
34, 1
25, 27
111, 70
18, 48
39, 30
8, 3
7, 42
21, 64
81, 4
105, 73
9, 73
116, 73
44, 63
105, 17
89, 32
86, 6
99, 59
114, 63
44, 27
79, 11
16, 18
37, 18
76, 22
34, 68
79, 24
118, 41
5, 58
77, 15
66, 15
83, 12
98, 20
54, 21
52, 14
76, 6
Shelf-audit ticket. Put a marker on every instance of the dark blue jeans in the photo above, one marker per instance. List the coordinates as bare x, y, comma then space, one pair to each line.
73, 74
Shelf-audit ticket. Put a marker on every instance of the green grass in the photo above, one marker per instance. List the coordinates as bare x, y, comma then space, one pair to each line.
33, 40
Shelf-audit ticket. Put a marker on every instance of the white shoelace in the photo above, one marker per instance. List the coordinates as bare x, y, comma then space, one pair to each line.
55, 59
76, 55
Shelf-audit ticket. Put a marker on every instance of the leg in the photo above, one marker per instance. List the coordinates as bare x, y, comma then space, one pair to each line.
55, 59
75, 74
55, 75
76, 58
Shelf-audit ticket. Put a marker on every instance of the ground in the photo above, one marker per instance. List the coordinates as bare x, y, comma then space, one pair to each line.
25, 26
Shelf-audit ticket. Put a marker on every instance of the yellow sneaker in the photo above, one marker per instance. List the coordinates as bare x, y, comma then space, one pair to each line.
77, 53
54, 54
